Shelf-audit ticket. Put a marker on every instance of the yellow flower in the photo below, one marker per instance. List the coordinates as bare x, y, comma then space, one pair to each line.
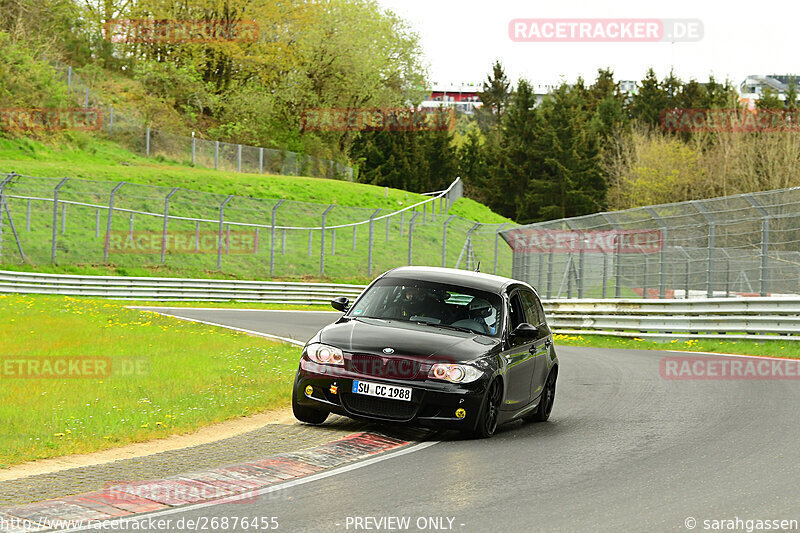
58, 434
145, 425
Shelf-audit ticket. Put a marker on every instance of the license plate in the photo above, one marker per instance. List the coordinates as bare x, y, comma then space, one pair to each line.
382, 391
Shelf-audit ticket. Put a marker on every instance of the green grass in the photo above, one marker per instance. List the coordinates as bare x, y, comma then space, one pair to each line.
772, 348
80, 252
167, 376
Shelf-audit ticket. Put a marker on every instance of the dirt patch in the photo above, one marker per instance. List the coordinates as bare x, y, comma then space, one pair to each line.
207, 434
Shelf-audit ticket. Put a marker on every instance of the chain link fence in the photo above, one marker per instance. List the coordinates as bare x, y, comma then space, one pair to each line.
139, 138
743, 245
56, 221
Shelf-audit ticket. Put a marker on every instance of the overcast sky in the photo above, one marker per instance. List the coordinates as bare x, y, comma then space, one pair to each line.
461, 39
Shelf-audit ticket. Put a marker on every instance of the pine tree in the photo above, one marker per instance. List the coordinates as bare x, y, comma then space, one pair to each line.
650, 101
495, 97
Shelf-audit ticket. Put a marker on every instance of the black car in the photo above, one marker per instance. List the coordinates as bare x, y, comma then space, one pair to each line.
432, 347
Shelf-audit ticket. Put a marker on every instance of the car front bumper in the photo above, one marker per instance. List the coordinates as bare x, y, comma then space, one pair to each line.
433, 403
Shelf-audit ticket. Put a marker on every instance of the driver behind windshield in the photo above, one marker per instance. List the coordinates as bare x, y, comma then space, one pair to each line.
415, 302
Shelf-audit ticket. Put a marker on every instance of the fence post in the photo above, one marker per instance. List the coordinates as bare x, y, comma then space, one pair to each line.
411, 236
333, 241
444, 240
322, 241
221, 230
197, 236
272, 239
166, 219
130, 227
712, 234
147, 142
662, 278
55, 219
424, 212
764, 242
402, 222
2, 202
63, 218
354, 238
194, 146
617, 255
496, 244
387, 227
216, 155
111, 122
687, 271
108, 222
69, 80
97, 223
261, 160
371, 242
28, 218
239, 157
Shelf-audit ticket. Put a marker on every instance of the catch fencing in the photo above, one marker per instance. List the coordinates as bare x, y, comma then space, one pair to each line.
140, 228
743, 245
132, 132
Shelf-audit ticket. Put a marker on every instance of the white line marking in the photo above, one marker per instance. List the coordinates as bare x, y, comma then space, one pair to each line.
265, 490
251, 332
150, 307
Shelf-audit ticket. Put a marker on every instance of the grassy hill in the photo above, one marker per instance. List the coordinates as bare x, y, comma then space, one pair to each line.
80, 249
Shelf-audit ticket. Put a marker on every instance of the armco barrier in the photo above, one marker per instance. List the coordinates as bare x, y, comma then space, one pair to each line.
776, 318
167, 289
716, 318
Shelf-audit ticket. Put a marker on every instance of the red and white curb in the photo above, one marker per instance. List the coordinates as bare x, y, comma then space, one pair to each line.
240, 483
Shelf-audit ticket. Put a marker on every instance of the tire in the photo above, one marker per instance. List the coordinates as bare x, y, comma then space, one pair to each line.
542, 412
308, 415
490, 411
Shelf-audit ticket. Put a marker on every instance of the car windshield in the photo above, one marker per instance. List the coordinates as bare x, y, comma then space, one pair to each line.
451, 307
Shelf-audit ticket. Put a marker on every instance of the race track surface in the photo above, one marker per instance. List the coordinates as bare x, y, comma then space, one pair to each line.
624, 450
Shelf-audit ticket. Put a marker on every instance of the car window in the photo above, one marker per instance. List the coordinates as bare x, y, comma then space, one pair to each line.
431, 303
516, 311
533, 311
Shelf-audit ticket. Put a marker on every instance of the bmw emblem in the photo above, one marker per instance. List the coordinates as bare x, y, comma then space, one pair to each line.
388, 351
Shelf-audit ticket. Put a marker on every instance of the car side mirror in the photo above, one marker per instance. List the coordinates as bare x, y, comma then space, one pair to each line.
342, 303
525, 331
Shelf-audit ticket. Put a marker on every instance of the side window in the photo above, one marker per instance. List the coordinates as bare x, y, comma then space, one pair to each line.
516, 312
533, 311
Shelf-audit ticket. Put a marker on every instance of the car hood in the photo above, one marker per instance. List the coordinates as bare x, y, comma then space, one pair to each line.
372, 335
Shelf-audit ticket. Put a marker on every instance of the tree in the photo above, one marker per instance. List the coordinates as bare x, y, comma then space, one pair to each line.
769, 99
494, 97
650, 101
569, 181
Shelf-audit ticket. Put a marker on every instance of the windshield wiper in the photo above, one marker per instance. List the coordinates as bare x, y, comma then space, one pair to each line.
446, 326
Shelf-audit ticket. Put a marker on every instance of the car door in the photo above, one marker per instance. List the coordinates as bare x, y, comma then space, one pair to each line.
519, 357
542, 344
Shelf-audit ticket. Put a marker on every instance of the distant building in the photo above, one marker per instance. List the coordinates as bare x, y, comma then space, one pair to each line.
753, 86
464, 97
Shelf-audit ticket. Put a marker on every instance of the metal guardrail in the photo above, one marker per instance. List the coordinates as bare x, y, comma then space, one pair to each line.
775, 318
170, 289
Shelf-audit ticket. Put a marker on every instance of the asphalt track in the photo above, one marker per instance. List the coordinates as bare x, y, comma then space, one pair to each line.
624, 450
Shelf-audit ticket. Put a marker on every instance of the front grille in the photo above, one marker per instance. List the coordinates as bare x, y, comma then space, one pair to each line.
379, 407
383, 367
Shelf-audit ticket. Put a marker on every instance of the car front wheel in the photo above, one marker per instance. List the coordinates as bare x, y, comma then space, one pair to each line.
487, 420
307, 414
542, 412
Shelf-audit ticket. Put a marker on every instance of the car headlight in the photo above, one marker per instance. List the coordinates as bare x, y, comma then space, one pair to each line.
454, 373
327, 355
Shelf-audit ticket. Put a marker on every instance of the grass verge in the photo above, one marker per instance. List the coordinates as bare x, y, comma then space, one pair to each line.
162, 376
771, 348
